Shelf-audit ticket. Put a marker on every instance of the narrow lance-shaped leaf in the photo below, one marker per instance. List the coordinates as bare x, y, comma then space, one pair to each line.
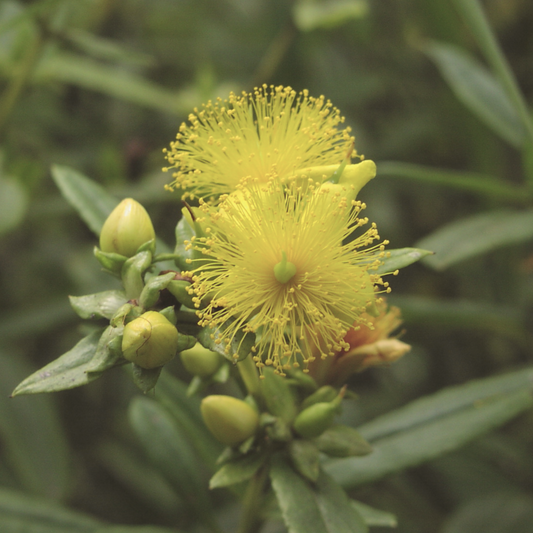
477, 235
477, 88
313, 508
65, 372
400, 258
483, 185
92, 202
432, 426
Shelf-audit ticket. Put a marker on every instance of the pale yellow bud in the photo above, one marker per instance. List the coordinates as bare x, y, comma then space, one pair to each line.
126, 229
230, 420
150, 340
200, 361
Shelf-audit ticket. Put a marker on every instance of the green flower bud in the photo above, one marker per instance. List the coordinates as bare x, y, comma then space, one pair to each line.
200, 361
150, 340
230, 420
315, 419
126, 229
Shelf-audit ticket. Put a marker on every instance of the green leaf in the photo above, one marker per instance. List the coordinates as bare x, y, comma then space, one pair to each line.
278, 395
461, 314
477, 235
478, 90
100, 305
135, 529
116, 82
13, 204
145, 378
108, 352
172, 394
474, 16
480, 184
239, 347
169, 450
152, 289
434, 425
500, 512
401, 258
319, 508
34, 445
374, 517
305, 458
65, 372
24, 514
237, 471
311, 14
92, 202
342, 441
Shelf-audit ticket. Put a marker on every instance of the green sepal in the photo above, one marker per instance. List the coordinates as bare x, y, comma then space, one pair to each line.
112, 262
305, 458
324, 394
237, 470
99, 305
179, 289
342, 441
170, 314
222, 374
151, 291
247, 445
148, 246
185, 342
275, 428
132, 274
239, 347
124, 314
196, 385
184, 232
145, 379
109, 350
278, 395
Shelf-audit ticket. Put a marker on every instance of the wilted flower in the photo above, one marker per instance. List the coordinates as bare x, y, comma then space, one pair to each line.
284, 264
270, 133
369, 343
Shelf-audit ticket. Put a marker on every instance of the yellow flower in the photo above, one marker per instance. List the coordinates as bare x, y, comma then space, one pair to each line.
273, 132
283, 263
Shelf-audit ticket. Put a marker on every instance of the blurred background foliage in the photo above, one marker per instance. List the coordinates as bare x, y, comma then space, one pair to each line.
102, 86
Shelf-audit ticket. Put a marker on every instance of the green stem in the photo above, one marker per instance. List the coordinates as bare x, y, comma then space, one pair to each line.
253, 500
250, 376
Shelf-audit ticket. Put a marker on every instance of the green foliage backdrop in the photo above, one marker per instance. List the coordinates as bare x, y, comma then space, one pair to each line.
444, 109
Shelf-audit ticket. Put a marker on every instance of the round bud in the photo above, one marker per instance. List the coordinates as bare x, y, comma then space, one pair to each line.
126, 229
200, 361
230, 420
150, 340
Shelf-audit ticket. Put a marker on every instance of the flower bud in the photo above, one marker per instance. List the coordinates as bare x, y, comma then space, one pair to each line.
230, 420
126, 229
150, 341
315, 419
200, 361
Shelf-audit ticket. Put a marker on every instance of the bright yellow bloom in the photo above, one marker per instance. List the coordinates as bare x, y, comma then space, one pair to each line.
273, 132
283, 263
